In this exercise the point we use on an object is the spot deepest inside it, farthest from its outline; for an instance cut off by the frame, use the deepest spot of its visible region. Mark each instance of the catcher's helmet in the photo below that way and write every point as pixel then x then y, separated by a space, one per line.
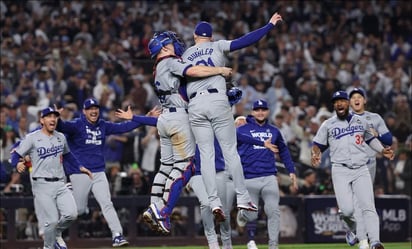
pixel 161 39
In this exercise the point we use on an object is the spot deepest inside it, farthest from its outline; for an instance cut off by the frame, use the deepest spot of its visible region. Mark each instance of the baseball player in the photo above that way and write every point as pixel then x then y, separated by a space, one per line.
pixel 47 149
pixel 177 145
pixel 86 137
pixel 225 190
pixel 346 135
pixel 260 170
pixel 210 114
pixel 379 130
pixel 27 163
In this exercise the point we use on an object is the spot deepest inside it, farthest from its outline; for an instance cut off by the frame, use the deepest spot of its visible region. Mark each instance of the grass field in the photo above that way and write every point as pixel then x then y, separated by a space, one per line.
pixel 403 245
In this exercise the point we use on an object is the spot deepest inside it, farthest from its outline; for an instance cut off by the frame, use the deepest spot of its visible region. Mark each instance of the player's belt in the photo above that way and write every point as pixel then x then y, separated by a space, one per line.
pixel 349 166
pixel 211 90
pixel 174 109
pixel 47 179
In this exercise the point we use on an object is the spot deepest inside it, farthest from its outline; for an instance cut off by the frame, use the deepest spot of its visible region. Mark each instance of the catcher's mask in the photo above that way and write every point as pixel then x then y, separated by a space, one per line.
pixel 161 39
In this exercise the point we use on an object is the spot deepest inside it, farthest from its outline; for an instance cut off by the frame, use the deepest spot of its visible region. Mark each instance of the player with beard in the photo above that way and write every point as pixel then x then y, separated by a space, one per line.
pixel 260 171
pixel 348 137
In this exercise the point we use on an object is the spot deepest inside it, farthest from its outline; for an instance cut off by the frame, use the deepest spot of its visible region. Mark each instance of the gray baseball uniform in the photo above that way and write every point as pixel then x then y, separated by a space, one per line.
pixel 177 144
pixel 376 122
pixel 51 196
pixel 226 192
pixel 210 115
pixel 350 176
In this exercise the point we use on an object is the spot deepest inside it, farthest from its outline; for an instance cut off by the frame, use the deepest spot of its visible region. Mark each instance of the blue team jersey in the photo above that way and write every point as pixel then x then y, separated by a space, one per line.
pixel 257 161
pixel 86 140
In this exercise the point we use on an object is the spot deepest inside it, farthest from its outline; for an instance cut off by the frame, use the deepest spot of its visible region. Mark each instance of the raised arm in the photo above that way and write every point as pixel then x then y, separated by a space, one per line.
pixel 140 120
pixel 254 36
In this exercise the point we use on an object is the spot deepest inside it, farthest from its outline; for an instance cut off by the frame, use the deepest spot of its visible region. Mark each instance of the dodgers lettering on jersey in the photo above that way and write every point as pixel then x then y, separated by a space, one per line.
pixel 345 139
pixel 93 136
pixel 46 153
pixel 54 150
pixel 350 130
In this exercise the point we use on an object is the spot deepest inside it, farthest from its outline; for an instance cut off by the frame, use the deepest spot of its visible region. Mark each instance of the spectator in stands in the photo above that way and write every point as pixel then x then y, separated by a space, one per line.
pixel 403 171
pixel 300 47
pixel 309 186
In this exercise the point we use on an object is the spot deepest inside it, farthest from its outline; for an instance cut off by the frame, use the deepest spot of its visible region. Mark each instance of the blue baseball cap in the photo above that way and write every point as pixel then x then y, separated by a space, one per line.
pixel 260 104
pixel 357 90
pixel 204 29
pixel 340 95
pixel 48 111
pixel 90 102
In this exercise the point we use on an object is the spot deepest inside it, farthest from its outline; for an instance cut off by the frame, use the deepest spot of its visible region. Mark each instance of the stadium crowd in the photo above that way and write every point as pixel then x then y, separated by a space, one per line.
pixel 63 52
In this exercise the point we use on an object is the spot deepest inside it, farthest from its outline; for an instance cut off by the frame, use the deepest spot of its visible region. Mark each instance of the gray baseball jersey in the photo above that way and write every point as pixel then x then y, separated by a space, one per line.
pixel 346 140
pixel 376 122
pixel 350 176
pixel 207 54
pixel 210 115
pixel 174 119
pixel 177 143
pixel 46 153
pixel 53 202
pixel 168 74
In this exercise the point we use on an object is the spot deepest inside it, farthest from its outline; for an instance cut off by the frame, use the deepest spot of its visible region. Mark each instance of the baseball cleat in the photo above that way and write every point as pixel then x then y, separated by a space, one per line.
pixel 240 219
pixel 250 206
pixel 251 245
pixel 60 244
pixel 363 244
pixel 377 245
pixel 150 220
pixel 351 238
pixel 163 222
pixel 119 241
pixel 218 214
pixel 164 225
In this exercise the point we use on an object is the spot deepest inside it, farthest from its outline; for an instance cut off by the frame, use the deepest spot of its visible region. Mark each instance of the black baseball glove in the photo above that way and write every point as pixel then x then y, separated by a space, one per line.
pixel 234 95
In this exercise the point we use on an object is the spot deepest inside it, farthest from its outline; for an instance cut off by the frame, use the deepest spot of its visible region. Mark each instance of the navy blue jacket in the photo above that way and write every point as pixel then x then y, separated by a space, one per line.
pixel 87 141
pixel 257 161
pixel 219 160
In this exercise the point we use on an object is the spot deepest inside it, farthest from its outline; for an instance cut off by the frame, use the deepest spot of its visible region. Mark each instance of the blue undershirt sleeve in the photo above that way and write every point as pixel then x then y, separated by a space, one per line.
pixel 15 158
pixel 250 38
pixel 284 153
pixel 321 146
pixel 71 159
pixel 145 120
pixel 386 138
